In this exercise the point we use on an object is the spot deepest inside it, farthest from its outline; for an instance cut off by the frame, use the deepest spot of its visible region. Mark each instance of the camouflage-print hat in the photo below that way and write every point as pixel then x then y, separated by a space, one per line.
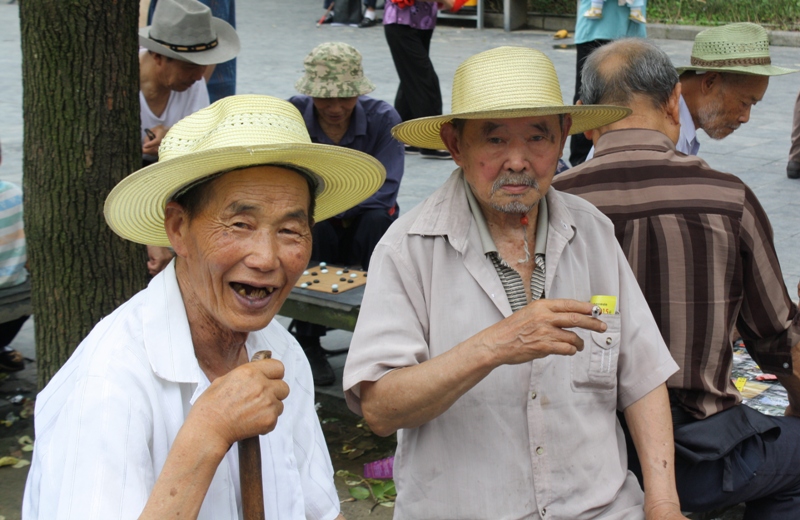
pixel 333 70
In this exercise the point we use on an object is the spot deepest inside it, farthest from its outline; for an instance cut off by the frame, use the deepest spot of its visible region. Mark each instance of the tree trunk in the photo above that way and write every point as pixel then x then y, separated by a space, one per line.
pixel 80 77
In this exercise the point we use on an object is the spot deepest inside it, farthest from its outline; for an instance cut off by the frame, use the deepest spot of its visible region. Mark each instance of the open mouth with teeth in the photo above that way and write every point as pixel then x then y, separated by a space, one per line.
pixel 251 292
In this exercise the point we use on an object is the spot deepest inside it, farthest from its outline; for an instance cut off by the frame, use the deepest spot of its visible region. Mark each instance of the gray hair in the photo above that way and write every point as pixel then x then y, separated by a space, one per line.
pixel 615 72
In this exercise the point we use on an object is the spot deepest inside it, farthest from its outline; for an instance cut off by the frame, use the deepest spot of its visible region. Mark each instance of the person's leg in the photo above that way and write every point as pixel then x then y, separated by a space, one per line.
pixel 369 14
pixel 793 168
pixel 10 359
pixel 579 146
pixel 366 232
pixel 394 39
pixel 763 474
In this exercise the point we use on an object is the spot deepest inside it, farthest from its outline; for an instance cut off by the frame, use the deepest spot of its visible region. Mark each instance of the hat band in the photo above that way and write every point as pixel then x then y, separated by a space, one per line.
pixel 188 48
pixel 736 62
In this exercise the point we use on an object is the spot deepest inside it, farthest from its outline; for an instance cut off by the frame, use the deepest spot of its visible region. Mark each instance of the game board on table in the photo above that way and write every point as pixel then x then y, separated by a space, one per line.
pixel 331 279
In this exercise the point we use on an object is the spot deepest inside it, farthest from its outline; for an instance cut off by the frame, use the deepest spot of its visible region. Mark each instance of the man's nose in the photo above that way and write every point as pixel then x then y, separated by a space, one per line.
pixel 517 159
pixel 200 72
pixel 745 117
pixel 263 254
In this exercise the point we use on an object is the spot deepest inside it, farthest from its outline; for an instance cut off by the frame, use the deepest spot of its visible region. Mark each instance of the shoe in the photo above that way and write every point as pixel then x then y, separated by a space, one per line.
pixel 321 369
pixel 793 170
pixel 435 154
pixel 411 150
pixel 328 18
pixel 367 22
pixel 594 13
pixel 636 16
pixel 11 360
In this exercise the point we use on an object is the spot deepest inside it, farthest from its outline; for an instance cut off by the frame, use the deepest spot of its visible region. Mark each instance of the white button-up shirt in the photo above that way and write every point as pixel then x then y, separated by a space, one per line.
pixel 105 423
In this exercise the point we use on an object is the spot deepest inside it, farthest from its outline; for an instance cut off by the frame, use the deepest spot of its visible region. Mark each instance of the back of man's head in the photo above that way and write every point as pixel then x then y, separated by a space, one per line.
pixel 615 73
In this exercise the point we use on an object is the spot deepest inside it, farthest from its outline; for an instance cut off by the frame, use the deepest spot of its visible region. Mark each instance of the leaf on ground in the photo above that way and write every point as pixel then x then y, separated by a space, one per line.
pixel 8 461
pixel 21 464
pixel 355 454
pixel 25 440
pixel 27 447
pixel 387 504
pixel 359 492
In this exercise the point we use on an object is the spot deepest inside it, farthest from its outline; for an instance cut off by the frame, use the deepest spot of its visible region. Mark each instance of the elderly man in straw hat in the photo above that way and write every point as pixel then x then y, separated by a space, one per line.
pixel 337 111
pixel 182 42
pixel 141 420
pixel 711 232
pixel 476 339
pixel 728 73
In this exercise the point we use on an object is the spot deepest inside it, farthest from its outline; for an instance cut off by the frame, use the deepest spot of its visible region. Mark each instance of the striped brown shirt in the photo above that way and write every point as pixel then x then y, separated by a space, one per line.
pixel 701 248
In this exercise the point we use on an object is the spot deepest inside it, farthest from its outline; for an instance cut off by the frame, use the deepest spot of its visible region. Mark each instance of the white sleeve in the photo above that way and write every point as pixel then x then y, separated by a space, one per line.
pixel 311 451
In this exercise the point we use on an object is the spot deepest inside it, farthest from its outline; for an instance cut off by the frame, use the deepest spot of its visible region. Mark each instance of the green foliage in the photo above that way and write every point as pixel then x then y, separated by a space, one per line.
pixel 382 492
pixel 778 14
pixel 782 14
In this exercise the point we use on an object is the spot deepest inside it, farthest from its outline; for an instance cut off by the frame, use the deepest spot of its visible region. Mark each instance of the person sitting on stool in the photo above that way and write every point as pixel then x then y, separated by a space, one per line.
pixel 337 111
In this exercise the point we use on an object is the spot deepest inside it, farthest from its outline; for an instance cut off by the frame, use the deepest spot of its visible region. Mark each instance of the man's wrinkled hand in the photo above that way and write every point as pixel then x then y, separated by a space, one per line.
pixel 245 402
pixel 150 146
pixel 158 258
pixel 538 330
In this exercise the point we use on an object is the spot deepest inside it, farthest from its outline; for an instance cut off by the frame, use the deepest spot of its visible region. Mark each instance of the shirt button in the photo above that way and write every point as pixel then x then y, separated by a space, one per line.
pixel 544 511
pixel 608 341
pixel 786 365
pixel 539 450
pixel 533 395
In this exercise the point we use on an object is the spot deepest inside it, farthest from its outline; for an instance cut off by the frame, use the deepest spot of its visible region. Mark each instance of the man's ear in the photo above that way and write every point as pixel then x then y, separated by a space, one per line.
pixel 176 224
pixel 673 107
pixel 451 140
pixel 709 81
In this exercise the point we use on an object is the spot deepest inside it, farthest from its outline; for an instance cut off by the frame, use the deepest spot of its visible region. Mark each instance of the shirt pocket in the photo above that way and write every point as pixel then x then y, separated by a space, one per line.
pixel 595 368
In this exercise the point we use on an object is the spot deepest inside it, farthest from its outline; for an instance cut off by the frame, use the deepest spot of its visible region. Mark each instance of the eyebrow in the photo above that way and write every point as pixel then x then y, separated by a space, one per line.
pixel 489 127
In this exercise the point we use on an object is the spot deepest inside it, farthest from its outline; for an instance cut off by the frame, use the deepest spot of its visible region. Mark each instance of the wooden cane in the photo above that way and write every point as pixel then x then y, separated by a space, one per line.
pixel 250 468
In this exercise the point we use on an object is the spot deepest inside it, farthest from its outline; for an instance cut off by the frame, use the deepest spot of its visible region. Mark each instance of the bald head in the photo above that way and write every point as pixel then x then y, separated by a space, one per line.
pixel 617 73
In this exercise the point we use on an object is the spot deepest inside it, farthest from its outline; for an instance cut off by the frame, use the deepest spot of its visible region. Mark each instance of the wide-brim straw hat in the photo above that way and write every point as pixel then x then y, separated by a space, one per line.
pixel 506 82
pixel 237 132
pixel 186 31
pixel 741 48
pixel 333 70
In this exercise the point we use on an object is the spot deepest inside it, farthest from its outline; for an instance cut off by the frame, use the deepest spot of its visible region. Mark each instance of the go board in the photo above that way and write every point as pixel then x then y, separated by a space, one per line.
pixel 331 279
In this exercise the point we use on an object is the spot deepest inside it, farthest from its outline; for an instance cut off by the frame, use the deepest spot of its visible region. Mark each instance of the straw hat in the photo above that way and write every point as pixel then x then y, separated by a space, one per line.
pixel 741 48
pixel 506 82
pixel 186 31
pixel 333 70
pixel 237 132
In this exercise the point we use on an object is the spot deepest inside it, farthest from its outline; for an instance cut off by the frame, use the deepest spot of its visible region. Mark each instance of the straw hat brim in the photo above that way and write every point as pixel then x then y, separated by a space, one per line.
pixel 424 132
pixel 754 70
pixel 135 207
pixel 226 50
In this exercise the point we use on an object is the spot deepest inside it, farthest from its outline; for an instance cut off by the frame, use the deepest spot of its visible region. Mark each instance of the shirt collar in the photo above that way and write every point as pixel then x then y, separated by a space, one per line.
pixel 688 130
pixel 357 127
pixel 167 338
pixel 628 139
pixel 483 228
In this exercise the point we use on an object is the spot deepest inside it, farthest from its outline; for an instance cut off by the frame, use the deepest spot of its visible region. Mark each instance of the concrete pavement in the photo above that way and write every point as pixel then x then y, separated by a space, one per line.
pixel 276 36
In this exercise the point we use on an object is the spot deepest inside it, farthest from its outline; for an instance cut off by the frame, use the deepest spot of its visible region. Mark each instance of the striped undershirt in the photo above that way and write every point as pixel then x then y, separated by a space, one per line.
pixel 510 278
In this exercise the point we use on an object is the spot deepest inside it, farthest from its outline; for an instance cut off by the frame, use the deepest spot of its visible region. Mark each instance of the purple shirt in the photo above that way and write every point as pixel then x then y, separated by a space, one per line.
pixel 421 15
pixel 370 131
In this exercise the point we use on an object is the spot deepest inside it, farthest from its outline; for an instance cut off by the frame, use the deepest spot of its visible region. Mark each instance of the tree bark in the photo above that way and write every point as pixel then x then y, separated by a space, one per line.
pixel 80 77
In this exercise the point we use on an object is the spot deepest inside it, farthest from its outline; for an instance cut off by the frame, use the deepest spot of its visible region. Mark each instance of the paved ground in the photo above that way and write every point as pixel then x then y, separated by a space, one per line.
pixel 277 35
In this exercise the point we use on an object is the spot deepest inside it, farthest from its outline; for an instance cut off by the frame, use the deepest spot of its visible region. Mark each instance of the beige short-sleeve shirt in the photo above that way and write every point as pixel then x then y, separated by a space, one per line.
pixel 536 440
